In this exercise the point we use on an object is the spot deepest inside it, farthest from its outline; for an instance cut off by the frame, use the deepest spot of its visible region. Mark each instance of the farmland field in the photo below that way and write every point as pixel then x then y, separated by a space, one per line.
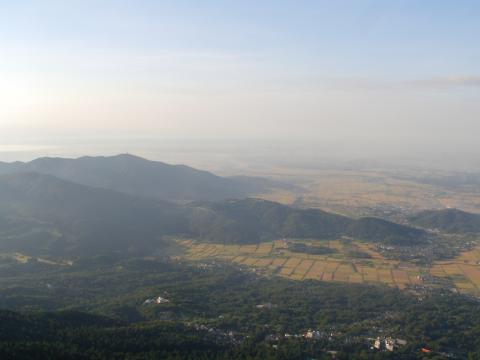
pixel 366 192
pixel 274 258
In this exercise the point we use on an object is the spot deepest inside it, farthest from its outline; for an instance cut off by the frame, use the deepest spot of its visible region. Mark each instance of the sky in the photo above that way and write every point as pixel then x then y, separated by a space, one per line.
pixel 378 75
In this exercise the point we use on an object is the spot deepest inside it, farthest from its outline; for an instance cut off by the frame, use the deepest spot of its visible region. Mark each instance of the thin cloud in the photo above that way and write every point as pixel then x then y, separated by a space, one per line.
pixel 369 84
pixel 448 82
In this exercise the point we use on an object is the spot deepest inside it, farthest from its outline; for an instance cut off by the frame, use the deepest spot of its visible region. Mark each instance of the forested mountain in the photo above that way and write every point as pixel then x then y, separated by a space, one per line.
pixel 386 232
pixel 254 220
pixel 136 176
pixel 448 220
pixel 43 214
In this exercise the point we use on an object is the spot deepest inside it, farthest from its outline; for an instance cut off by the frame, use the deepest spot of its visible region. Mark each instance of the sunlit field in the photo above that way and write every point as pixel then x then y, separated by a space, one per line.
pixel 357 192
pixel 274 258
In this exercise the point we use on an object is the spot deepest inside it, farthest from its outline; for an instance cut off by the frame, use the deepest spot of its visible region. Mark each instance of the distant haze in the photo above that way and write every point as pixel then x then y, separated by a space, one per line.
pixel 283 80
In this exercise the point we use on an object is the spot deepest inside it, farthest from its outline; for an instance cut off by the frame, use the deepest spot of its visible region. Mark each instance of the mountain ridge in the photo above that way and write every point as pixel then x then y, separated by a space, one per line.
pixel 137 176
pixel 42 213
pixel 447 220
pixel 256 220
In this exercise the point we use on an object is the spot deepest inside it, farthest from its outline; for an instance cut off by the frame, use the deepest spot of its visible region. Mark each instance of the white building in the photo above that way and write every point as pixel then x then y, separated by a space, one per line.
pixel 389 344
pixel 161 300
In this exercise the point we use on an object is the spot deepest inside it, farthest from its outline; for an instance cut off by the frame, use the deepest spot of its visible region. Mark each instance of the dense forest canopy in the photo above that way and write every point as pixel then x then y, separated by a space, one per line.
pixel 95 310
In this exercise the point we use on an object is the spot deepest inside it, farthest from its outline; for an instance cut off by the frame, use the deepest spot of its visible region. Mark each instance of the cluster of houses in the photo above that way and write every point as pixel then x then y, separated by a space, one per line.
pixel 388 343
pixel 380 343
pixel 314 334
pixel 308 335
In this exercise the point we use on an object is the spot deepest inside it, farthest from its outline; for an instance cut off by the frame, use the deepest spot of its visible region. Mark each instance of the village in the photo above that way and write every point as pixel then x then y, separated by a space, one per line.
pixel 381 342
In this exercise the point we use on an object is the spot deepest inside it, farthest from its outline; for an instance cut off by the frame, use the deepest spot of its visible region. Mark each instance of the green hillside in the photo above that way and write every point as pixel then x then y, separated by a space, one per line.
pixel 254 220
pixel 448 220
pixel 41 214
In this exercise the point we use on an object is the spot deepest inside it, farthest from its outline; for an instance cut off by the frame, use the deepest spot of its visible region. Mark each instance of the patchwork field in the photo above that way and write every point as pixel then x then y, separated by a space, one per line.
pixel 464 271
pixel 357 192
pixel 275 258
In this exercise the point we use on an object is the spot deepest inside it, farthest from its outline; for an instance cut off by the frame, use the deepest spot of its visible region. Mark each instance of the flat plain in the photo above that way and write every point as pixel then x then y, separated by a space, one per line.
pixel 367 191
pixel 274 258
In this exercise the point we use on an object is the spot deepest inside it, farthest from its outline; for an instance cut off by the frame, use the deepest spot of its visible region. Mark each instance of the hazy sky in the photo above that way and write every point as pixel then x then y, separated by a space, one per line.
pixel 387 72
